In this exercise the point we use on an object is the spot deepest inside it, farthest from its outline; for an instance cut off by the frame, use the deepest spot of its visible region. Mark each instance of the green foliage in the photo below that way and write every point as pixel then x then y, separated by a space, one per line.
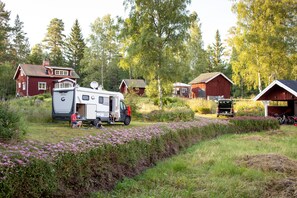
pixel 101 58
pixel 54 42
pixel 7 84
pixel 20 43
pixel 151 90
pixel 248 108
pixel 156 48
pixel 75 46
pixel 11 126
pixel 202 106
pixel 36 55
pixel 175 114
pixel 132 100
pixel 196 55
pixel 264 42
pixel 33 109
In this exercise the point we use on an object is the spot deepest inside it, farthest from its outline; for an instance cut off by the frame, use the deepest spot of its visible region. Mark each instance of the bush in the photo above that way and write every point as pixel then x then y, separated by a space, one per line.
pixel 11 126
pixel 176 114
pixel 170 102
pixel 202 106
pixel 248 108
pixel 36 109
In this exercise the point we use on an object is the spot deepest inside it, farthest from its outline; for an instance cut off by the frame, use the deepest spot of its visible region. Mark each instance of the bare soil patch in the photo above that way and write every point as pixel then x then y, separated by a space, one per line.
pixel 286 187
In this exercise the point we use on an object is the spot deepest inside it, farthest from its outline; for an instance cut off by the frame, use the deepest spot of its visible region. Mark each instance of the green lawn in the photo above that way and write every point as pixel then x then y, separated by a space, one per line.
pixel 61 131
pixel 217 168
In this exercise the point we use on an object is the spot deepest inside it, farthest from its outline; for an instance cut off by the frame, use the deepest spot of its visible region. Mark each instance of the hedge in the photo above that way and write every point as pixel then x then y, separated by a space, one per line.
pixel 76 168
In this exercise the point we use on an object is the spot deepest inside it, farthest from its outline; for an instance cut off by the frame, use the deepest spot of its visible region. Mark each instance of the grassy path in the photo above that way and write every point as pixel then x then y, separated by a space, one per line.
pixel 247 165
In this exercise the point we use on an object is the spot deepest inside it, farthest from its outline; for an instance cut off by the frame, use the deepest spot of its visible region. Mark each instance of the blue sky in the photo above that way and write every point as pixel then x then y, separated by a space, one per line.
pixel 36 15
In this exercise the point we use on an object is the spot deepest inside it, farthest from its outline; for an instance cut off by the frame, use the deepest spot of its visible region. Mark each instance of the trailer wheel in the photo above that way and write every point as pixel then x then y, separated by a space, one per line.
pixel 97 123
pixel 127 120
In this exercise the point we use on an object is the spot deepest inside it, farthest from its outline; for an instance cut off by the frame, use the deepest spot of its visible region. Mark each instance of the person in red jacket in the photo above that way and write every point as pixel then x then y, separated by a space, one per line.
pixel 74 122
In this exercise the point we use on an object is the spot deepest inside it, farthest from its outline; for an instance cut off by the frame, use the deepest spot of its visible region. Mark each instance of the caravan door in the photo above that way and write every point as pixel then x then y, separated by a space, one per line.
pixel 91 111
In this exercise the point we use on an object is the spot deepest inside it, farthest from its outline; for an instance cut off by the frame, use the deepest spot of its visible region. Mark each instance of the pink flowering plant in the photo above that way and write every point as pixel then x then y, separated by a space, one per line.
pixel 93 162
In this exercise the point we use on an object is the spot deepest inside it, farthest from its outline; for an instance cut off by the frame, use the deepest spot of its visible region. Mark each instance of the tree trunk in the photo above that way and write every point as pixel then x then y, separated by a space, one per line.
pixel 160 93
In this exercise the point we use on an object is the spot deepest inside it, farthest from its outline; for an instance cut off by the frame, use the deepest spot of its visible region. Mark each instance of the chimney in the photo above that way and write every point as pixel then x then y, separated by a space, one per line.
pixel 46 63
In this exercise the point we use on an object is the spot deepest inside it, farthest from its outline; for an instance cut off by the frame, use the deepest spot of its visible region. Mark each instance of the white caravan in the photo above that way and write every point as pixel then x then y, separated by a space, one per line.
pixel 95 105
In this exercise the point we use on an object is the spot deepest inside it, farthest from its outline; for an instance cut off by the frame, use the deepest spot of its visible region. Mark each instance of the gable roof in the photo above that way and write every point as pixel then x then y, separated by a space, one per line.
pixel 138 83
pixel 206 77
pixel 288 85
pixel 40 70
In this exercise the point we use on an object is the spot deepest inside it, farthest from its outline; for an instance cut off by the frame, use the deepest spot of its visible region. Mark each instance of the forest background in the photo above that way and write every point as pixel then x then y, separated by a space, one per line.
pixel 161 42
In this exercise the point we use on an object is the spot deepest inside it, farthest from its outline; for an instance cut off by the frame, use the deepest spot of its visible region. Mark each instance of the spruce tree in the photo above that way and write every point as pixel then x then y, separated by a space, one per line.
pixel 20 43
pixel 54 42
pixel 4 33
pixel 75 46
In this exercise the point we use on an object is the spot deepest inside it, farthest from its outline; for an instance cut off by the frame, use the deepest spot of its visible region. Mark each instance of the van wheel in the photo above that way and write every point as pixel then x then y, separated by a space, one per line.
pixel 127 120
pixel 97 123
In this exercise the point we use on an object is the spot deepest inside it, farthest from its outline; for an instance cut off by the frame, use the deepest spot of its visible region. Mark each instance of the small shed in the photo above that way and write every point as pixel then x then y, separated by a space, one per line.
pixel 279 97
pixel 133 85
pixel 211 86
pixel 181 89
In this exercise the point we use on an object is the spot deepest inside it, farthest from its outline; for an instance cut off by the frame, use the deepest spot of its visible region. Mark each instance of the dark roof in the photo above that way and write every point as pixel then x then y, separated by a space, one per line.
pixel 206 77
pixel 134 83
pixel 288 85
pixel 40 70
pixel 292 84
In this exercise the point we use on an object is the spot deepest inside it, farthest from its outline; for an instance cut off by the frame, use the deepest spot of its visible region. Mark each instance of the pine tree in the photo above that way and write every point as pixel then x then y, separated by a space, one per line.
pixel 54 42
pixel 20 43
pixel 4 33
pixel 75 46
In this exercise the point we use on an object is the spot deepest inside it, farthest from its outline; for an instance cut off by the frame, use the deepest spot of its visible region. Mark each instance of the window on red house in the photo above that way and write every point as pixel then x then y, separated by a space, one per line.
pixel 41 85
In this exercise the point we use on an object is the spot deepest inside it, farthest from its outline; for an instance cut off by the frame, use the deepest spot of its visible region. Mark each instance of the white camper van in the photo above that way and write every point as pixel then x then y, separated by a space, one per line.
pixel 94 105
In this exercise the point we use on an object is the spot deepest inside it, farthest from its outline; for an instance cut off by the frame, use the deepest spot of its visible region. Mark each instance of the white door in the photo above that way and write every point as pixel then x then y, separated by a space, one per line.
pixel 91 111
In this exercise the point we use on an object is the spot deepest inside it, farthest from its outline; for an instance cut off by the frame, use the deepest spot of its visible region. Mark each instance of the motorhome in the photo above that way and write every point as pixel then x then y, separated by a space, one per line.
pixel 92 104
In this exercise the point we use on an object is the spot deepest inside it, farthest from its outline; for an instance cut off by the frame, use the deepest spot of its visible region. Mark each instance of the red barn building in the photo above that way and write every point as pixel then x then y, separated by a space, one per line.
pixel 211 86
pixel 38 79
pixel 135 85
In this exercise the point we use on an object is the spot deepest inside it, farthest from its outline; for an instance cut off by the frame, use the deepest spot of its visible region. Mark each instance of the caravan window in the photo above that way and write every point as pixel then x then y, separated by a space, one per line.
pixel 85 97
pixel 101 100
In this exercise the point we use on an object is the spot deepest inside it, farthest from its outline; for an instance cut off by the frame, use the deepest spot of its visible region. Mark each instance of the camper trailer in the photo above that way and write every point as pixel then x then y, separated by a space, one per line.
pixel 92 104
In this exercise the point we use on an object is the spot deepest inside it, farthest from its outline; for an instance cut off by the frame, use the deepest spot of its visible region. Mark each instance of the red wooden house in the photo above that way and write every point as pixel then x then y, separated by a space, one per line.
pixel 211 86
pixel 38 79
pixel 135 85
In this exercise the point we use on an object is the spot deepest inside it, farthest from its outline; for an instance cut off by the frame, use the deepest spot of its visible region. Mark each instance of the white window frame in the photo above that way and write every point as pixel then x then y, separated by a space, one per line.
pixel 20 85
pixel 24 85
pixel 41 85
pixel 61 72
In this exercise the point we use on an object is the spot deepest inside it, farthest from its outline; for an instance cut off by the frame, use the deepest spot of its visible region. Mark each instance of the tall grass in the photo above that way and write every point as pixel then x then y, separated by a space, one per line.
pixel 33 109
pixel 210 169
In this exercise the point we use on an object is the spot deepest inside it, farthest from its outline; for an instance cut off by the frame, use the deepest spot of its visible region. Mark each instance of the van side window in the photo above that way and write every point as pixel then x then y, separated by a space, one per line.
pixel 101 100
pixel 123 106
pixel 85 97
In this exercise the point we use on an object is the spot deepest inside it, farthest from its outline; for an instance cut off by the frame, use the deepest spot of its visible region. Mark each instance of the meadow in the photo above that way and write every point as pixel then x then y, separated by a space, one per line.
pixel 261 164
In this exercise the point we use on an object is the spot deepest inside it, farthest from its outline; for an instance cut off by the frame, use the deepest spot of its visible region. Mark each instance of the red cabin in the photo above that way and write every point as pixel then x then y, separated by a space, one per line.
pixel 133 85
pixel 38 79
pixel 211 86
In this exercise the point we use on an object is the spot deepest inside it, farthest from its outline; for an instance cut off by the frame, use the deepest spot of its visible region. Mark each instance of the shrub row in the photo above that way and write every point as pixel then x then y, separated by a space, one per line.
pixel 75 174
pixel 176 114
